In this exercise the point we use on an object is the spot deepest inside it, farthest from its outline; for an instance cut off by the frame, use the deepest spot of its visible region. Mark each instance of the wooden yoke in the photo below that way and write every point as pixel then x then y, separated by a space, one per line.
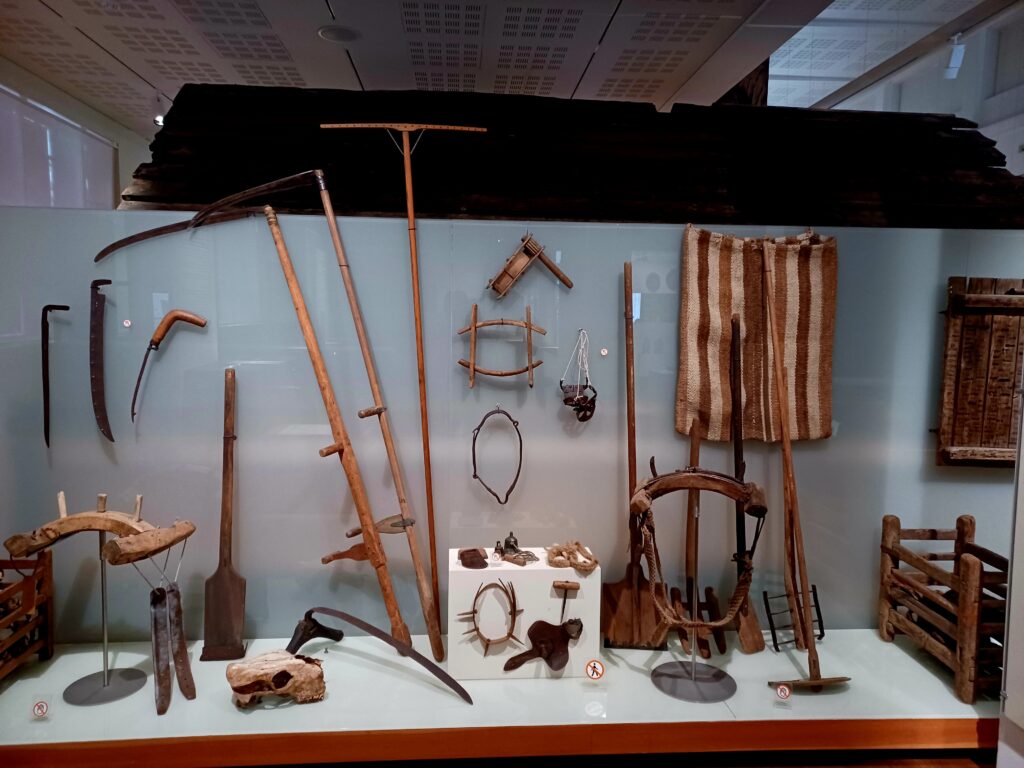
pixel 749 494
pixel 136 540
pixel 370 548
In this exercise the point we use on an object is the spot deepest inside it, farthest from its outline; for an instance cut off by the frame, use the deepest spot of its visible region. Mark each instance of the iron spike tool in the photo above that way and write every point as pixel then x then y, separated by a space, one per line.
pixel 97 309
pixel 45 337
pixel 158 336
pixel 309 628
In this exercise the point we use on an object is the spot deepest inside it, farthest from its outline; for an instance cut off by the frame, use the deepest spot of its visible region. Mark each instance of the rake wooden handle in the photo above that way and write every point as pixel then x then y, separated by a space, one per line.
pixel 227 489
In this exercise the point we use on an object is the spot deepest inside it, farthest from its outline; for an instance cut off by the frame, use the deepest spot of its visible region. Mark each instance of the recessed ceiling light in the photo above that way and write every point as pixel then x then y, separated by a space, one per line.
pixel 335 33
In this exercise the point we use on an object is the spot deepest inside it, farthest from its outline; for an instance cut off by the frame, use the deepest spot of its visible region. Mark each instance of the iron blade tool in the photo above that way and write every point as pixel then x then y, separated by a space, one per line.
pixel 158 336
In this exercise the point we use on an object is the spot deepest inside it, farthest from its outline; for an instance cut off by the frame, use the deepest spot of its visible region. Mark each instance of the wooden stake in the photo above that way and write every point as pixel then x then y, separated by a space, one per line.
pixel 472 347
pixel 428 603
pixel 529 346
pixel 371 539
pixel 790 570
pixel 414 267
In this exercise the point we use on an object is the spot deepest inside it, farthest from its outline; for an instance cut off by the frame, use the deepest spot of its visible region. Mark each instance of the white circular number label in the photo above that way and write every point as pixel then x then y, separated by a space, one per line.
pixel 40 708
pixel 783 692
pixel 595 669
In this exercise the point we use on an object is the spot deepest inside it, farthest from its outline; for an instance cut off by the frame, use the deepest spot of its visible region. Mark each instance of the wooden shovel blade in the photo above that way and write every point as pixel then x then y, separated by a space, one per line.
pixel 224 617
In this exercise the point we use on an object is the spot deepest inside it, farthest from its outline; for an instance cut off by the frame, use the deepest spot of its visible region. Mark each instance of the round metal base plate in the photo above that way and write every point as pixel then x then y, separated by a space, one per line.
pixel 90 689
pixel 699 683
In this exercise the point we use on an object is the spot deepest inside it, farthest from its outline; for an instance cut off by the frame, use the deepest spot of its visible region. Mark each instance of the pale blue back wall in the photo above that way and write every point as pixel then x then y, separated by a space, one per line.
pixel 293 507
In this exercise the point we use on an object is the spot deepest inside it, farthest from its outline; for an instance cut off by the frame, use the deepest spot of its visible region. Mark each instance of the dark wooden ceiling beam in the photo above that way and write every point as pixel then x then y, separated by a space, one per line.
pixel 554 159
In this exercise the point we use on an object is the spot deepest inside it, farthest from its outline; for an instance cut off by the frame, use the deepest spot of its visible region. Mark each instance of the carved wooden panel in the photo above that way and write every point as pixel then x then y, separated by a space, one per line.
pixel 979 413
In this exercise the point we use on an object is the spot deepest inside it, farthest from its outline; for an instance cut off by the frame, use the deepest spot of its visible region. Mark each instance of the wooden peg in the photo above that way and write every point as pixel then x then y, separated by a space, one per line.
pixel 62 504
pixel 330 450
pixel 101 502
pixel 138 507
pixel 367 412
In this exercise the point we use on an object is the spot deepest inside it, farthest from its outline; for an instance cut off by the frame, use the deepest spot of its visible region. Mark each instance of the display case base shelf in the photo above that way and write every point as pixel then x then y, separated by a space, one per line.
pixel 517 741
pixel 382 707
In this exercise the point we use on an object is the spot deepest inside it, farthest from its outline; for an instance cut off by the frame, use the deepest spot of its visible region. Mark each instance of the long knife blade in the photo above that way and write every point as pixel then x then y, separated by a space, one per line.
pixel 403 648
pixel 149 234
pixel 45 337
pixel 138 381
pixel 182 667
pixel 97 309
pixel 161 649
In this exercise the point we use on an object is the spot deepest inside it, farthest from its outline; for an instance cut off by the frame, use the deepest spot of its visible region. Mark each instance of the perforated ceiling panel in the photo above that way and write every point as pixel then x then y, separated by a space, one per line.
pixel 117 55
pixel 652 47
pixel 538 48
pixel 847 39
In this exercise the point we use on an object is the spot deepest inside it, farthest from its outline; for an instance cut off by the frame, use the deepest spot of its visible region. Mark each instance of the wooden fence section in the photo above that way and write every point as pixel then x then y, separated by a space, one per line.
pixel 958 614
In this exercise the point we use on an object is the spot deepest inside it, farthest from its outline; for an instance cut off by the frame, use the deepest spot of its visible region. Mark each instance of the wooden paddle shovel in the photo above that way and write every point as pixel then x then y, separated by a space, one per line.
pixel 225 590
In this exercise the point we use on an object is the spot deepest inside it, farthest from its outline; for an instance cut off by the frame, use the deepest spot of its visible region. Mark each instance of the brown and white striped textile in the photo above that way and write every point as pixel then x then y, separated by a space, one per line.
pixel 722 275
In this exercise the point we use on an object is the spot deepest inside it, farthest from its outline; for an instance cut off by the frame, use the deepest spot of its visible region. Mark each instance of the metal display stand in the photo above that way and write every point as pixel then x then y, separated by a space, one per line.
pixel 108 684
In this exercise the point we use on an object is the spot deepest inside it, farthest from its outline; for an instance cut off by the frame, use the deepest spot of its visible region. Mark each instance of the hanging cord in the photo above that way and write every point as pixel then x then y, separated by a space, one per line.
pixel 581 355
pixel 666 612
pixel 575 396
pixel 163 571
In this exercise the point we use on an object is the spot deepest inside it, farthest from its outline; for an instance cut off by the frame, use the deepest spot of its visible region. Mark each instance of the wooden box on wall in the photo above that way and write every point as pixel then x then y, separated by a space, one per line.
pixel 979 412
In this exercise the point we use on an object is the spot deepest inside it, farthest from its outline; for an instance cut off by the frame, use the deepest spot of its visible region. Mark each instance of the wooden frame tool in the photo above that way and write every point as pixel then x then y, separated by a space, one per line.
pixel 473 328
pixel 414 270
pixel 520 261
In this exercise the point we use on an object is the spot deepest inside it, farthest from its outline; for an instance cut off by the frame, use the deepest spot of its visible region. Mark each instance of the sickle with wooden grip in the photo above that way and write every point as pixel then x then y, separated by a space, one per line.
pixel 158 336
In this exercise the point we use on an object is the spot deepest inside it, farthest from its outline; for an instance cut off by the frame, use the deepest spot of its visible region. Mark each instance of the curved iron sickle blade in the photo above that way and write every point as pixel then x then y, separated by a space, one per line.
pixel 403 648
pixel 149 234
pixel 138 381
pixel 214 213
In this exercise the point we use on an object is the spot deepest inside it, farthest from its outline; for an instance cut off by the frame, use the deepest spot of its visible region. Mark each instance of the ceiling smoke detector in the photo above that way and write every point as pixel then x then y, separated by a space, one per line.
pixel 336 33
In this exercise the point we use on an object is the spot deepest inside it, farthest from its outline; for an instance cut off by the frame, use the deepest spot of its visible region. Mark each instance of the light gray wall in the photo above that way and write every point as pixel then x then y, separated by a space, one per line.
pixel 132 149
pixel 292 507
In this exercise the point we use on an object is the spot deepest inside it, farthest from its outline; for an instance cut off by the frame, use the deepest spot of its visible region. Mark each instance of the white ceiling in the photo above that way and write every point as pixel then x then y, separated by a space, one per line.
pixel 117 55
pixel 849 38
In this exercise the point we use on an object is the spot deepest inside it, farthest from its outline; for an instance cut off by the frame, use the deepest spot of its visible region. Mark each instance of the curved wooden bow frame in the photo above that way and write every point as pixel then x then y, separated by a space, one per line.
pixel 696 479
pixel 475 325
pixel 519 466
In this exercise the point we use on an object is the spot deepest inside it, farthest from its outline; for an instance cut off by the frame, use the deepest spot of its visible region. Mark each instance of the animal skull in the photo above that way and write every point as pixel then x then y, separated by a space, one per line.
pixel 277 673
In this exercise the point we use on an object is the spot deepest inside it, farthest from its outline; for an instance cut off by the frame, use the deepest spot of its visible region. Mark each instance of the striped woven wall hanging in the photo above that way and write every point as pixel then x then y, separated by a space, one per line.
pixel 722 275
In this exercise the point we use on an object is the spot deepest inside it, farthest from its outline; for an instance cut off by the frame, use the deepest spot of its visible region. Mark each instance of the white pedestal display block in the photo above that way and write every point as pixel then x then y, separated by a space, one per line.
pixel 537 599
